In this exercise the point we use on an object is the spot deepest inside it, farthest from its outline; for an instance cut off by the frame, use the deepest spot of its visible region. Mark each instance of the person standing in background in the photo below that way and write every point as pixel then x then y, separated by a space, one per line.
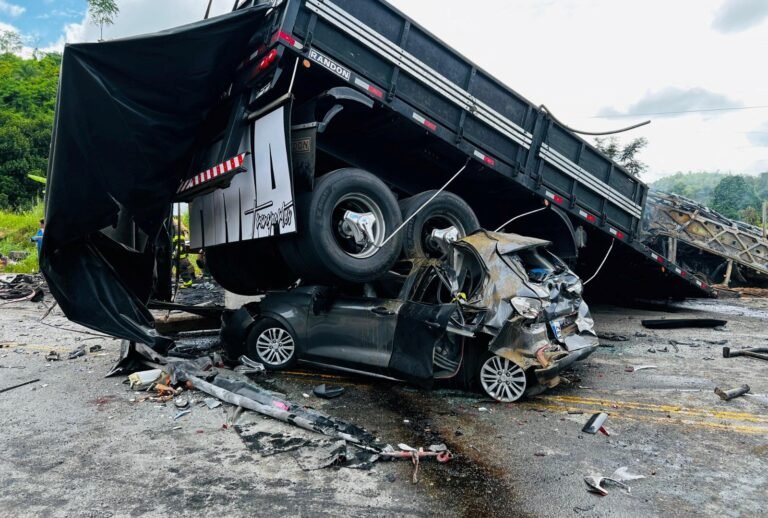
pixel 39 237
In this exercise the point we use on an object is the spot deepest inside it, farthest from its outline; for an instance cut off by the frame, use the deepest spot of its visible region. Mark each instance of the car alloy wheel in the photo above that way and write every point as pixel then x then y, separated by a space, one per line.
pixel 275 346
pixel 502 379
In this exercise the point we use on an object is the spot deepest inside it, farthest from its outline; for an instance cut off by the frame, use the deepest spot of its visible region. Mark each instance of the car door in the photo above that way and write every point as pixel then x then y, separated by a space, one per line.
pixel 353 332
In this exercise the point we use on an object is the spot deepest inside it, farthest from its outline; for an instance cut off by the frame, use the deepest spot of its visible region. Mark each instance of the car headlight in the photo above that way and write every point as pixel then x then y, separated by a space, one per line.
pixel 527 307
pixel 577 288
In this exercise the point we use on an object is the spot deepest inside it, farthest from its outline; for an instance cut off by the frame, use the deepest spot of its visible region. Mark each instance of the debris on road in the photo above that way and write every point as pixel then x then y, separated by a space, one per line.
pixel 20 288
pixel 327 392
pixel 248 366
pixel 53 356
pixel 727 395
pixel 6 389
pixel 144 379
pixel 683 323
pixel 181 414
pixel 595 483
pixel 77 353
pixel 595 424
pixel 212 403
pixel 613 337
pixel 636 368
pixel 760 353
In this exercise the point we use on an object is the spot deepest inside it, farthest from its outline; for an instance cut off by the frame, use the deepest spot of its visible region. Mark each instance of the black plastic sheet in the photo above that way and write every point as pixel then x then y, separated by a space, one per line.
pixel 127 117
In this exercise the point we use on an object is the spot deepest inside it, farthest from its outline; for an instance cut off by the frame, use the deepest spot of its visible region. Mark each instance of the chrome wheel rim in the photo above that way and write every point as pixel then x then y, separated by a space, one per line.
pixel 502 379
pixel 439 222
pixel 358 204
pixel 275 346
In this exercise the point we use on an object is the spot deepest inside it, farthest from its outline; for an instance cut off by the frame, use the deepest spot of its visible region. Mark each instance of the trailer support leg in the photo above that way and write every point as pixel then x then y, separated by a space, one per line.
pixel 728 272
pixel 672 254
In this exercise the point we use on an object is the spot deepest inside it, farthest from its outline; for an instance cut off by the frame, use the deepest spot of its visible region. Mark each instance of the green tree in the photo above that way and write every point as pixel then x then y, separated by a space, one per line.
pixel 624 154
pixel 27 99
pixel 733 195
pixel 10 42
pixel 101 13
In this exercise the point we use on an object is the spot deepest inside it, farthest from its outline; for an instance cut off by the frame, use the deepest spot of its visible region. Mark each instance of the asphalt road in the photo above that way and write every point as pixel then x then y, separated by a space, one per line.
pixel 74 444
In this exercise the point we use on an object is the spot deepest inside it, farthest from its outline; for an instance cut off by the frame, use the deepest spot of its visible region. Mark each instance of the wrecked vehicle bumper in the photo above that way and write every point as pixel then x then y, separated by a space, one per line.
pixel 547 374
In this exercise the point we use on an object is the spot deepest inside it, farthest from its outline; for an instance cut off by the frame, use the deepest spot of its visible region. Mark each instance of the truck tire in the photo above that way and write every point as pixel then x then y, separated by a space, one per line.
pixel 326 249
pixel 249 267
pixel 446 210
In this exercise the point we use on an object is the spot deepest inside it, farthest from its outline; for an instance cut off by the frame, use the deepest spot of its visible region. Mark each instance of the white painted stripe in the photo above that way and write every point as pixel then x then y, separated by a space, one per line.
pixel 415 67
pixel 572 170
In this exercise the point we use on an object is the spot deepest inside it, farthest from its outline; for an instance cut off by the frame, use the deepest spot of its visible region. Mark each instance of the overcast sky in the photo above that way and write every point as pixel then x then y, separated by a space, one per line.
pixel 596 64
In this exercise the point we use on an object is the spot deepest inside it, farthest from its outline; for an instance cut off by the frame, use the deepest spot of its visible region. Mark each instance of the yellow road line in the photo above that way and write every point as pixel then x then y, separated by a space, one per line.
pixel 673 421
pixel 666 409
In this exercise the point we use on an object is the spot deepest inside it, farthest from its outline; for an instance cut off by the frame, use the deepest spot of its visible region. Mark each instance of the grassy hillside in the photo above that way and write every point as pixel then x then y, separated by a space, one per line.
pixel 16 229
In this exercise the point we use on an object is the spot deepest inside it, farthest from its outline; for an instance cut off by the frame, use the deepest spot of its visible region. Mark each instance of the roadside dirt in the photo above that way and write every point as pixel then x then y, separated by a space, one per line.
pixel 75 445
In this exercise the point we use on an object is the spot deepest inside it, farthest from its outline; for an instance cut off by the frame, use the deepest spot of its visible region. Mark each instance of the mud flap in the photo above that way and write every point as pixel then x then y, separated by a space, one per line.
pixel 420 327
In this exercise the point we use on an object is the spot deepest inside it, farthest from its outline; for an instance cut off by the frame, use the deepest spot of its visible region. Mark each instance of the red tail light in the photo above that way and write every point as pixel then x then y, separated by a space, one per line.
pixel 267 60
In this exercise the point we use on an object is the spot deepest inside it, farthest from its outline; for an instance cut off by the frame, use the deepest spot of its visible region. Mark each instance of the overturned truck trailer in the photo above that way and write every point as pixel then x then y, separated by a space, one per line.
pixel 304 133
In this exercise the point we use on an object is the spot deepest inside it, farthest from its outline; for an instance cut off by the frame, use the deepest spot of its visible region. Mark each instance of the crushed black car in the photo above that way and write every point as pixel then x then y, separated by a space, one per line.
pixel 500 313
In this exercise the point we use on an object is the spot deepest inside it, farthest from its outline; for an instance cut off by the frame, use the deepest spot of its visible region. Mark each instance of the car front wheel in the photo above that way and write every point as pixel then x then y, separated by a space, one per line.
pixel 271 344
pixel 502 379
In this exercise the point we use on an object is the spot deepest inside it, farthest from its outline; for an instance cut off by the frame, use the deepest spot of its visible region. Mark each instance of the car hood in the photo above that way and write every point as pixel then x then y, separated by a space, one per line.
pixel 510 299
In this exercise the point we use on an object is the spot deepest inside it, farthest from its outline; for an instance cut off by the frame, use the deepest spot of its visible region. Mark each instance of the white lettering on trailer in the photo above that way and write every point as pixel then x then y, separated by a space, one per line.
pixel 330 64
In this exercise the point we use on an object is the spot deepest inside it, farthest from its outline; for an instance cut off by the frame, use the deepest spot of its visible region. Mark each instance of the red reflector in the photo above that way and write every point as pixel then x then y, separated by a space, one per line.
pixel 558 199
pixel 290 40
pixel 620 234
pixel 660 259
pixel 683 274
pixel 375 91
pixel 490 161
pixel 267 60
pixel 704 286
pixel 431 125
pixel 591 218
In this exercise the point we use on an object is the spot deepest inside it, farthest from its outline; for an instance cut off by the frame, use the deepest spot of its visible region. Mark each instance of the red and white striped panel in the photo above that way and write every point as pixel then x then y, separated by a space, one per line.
pixel 213 172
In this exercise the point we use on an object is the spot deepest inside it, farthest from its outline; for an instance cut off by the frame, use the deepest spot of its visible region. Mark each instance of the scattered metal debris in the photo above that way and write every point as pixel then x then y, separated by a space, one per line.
pixel 53 356
pixel 595 483
pixel 248 366
pixel 181 414
pixel 80 351
pixel 6 389
pixel 327 392
pixel 95 348
pixel 635 368
pixel 760 353
pixel 682 323
pixel 181 402
pixel 727 395
pixel 212 403
pixel 595 424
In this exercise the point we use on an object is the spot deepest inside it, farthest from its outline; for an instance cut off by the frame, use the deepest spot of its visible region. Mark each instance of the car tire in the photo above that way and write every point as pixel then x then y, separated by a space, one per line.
pixel 249 267
pixel 324 250
pixel 500 378
pixel 272 345
pixel 444 211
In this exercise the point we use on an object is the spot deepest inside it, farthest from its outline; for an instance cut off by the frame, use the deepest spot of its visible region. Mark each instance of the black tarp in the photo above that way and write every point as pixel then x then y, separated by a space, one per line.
pixel 128 112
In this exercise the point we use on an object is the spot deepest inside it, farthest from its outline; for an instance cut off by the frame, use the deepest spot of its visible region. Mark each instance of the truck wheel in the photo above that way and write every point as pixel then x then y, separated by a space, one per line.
pixel 248 267
pixel 445 213
pixel 342 225
pixel 272 345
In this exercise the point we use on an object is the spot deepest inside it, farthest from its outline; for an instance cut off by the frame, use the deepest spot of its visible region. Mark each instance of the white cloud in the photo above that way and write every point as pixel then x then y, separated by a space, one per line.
pixel 11 9
pixel 577 57
pixel 740 15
